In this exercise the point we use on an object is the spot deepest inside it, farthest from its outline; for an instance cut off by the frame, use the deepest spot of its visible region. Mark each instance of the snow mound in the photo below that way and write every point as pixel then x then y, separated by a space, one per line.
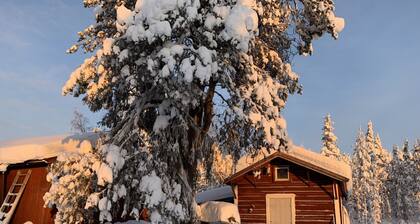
pixel 133 222
pixel 214 194
pixel 214 211
pixel 19 151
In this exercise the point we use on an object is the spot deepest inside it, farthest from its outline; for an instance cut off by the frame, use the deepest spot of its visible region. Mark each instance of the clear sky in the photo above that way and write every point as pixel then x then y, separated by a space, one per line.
pixel 370 73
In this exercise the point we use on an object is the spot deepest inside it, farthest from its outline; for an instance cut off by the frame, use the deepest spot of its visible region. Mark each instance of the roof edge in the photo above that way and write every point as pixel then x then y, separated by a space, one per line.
pixel 289 158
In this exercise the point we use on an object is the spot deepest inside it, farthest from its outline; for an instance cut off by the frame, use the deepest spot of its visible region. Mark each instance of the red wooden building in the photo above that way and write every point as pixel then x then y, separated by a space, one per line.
pixel 30 206
pixel 32 155
pixel 297 186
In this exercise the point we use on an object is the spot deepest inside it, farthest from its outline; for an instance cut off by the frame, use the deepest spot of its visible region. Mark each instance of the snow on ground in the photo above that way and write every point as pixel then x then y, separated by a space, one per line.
pixel 18 151
pixel 215 211
pixel 214 194
pixel 133 222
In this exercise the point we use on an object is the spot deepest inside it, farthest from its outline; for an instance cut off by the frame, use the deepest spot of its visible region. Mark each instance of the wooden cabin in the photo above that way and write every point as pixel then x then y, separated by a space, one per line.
pixel 32 155
pixel 31 205
pixel 294 187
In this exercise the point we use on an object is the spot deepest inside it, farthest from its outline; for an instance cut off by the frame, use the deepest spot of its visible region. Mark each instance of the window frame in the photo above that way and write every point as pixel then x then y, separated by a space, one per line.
pixel 276 168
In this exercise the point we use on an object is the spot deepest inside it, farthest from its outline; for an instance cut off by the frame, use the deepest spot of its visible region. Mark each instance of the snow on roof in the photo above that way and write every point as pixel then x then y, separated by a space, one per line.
pixel 216 211
pixel 328 163
pixel 315 159
pixel 19 151
pixel 214 194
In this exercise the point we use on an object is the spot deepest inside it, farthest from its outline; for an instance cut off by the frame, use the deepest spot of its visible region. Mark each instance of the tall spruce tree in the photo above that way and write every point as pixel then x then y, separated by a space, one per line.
pixel 176 77
pixel 416 178
pixel 370 164
pixel 396 184
pixel 382 161
pixel 375 183
pixel 329 142
pixel 402 184
pixel 361 175
pixel 409 202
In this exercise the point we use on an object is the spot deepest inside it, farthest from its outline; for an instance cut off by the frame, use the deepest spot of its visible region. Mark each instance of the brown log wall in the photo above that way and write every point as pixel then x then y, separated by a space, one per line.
pixel 31 204
pixel 313 194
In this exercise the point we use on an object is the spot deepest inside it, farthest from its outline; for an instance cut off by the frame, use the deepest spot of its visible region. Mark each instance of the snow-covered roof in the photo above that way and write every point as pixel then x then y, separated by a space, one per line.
pixel 19 151
pixel 216 212
pixel 214 194
pixel 301 156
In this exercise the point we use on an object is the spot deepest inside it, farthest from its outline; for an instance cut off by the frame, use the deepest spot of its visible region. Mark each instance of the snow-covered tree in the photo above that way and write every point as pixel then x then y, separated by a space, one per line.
pixel 402 186
pixel 361 175
pixel 71 184
pixel 329 142
pixel 416 179
pixel 409 201
pixel 382 159
pixel 189 74
pixel 219 170
pixel 397 183
pixel 370 177
pixel 376 170
pixel 79 123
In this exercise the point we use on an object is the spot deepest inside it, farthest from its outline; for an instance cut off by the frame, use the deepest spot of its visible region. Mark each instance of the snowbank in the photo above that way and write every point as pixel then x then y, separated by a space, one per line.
pixel 215 211
pixel 133 222
pixel 19 151
pixel 214 194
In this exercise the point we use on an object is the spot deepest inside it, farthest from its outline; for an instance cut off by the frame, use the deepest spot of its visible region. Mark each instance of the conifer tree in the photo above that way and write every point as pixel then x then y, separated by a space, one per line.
pixel 329 141
pixel 361 175
pixel 382 161
pixel 416 178
pixel 375 183
pixel 371 179
pixel 158 68
pixel 396 184
pixel 409 202
pixel 217 172
pixel 404 185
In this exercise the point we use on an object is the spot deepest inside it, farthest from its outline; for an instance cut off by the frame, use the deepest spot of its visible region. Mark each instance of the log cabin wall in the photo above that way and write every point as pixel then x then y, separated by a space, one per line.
pixel 314 199
pixel 31 204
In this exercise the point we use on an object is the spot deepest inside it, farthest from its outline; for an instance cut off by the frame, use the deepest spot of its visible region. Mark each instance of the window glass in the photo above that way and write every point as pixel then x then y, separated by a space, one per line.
pixel 282 173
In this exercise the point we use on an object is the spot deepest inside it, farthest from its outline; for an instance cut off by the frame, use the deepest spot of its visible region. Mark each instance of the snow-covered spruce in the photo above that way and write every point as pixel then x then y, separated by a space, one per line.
pixel 190 74
pixel 361 164
pixel 220 168
pixel 385 188
pixel 329 142
pixel 403 185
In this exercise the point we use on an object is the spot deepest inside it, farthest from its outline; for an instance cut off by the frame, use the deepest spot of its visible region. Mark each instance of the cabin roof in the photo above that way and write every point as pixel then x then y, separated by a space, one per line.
pixel 20 151
pixel 330 167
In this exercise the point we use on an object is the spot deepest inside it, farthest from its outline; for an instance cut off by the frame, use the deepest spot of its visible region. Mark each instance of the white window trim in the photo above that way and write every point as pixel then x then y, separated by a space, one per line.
pixel 267 205
pixel 275 173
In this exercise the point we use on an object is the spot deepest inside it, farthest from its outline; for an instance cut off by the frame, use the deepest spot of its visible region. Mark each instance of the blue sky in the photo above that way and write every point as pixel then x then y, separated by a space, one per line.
pixel 370 73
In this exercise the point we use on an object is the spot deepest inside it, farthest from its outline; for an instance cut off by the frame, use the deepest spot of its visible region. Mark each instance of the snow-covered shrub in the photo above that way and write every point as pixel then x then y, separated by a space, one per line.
pixel 72 180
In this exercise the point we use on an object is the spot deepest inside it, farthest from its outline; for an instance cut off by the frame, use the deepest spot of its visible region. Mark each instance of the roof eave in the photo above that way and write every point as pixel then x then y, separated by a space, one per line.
pixel 289 158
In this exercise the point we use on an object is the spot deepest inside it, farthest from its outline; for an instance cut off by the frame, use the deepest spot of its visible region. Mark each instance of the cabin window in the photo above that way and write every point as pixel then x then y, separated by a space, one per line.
pixel 281 173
